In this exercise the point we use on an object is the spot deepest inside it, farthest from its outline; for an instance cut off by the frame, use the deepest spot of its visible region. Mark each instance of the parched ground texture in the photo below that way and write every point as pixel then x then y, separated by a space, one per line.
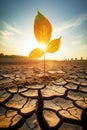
pixel 64 89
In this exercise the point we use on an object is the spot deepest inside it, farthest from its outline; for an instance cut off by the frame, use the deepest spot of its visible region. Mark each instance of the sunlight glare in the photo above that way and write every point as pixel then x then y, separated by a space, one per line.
pixel 42 46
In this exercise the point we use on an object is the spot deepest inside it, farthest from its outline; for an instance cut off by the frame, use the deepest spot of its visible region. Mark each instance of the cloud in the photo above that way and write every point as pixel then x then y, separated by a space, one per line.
pixel 73 22
pixel 11 28
pixel 14 39
pixel 8 31
pixel 79 39
pixel 8 36
pixel 77 42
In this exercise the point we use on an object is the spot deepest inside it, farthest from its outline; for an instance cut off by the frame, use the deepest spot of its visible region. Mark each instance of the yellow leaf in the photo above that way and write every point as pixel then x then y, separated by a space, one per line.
pixel 42 28
pixel 36 53
pixel 53 46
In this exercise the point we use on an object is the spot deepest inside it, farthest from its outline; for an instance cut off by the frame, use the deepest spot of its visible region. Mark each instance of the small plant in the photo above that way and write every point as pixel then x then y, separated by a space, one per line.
pixel 43 31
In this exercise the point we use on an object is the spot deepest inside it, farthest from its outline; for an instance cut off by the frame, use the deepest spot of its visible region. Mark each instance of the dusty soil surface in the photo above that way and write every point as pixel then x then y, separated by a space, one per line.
pixel 64 90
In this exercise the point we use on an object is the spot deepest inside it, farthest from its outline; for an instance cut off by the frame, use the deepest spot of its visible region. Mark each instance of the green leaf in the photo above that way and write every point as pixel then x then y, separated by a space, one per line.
pixel 53 46
pixel 42 29
pixel 36 53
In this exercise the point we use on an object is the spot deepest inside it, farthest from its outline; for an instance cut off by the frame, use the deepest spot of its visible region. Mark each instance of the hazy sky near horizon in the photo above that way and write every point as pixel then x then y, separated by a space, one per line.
pixel 67 17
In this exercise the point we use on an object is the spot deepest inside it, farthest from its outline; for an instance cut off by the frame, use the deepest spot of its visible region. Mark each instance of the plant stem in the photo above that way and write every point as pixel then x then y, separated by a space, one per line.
pixel 44 64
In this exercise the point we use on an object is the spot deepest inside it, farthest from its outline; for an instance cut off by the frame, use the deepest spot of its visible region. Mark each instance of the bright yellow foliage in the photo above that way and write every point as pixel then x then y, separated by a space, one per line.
pixel 36 53
pixel 43 31
pixel 53 45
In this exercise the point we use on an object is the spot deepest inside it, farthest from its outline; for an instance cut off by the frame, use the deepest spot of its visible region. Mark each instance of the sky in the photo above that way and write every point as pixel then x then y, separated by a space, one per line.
pixel 67 17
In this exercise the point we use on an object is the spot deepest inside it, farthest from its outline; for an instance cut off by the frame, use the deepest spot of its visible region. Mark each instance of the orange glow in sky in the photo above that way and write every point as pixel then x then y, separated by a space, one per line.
pixel 17 27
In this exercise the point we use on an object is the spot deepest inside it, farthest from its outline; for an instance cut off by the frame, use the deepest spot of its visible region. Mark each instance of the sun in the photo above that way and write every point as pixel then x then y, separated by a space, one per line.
pixel 42 46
